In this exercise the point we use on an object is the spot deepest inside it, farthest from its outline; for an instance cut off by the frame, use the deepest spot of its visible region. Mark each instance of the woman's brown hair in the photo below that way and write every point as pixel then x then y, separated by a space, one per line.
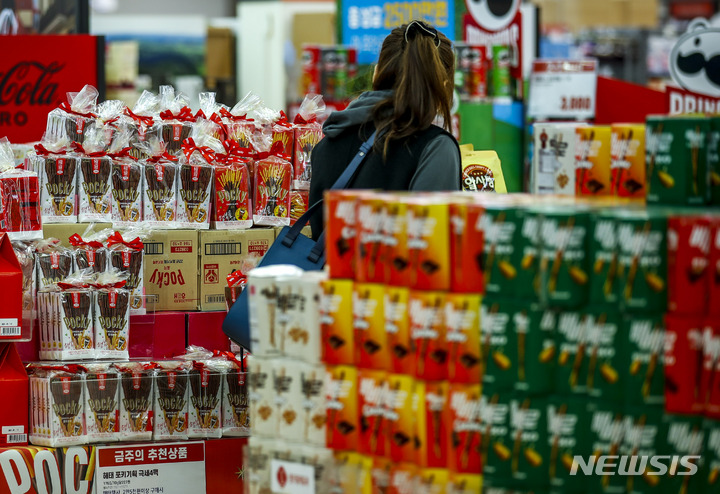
pixel 417 62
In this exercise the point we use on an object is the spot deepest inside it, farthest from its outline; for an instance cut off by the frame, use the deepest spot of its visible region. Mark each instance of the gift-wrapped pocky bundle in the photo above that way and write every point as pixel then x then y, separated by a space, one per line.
pixel 53 263
pixel 239 127
pixel 141 123
pixel 235 400
pixel 127 178
pixel 126 256
pixel 196 172
pixel 136 401
pixel 283 133
pixel 160 178
pixel 111 119
pixel 74 117
pixel 273 177
pixel 171 404
pixel 308 133
pixel 206 378
pixel 25 253
pixel 299 200
pixel 111 310
pixel 102 404
pixel 232 198
pixel 210 110
pixel 20 214
pixel 94 177
pixel 57 406
pixel 57 172
pixel 175 120
pixel 90 253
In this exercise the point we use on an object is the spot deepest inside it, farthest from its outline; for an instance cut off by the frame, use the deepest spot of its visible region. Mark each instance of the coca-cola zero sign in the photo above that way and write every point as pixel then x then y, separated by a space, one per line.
pixel 36 72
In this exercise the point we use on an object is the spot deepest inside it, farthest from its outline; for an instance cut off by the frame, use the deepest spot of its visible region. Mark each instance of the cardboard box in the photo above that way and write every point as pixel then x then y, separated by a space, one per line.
pixel 11 302
pixel 63 232
pixel 219 55
pixel 171 269
pixel 223 252
pixel 205 329
pixel 158 335
pixel 14 386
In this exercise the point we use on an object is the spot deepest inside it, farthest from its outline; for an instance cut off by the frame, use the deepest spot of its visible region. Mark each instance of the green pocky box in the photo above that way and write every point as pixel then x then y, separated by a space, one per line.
pixel 685 438
pixel 643 337
pixel 603 258
pixel 528 281
pixel 677 160
pixel 607 433
pixel 714 159
pixel 498 342
pixel 496 449
pixel 571 371
pixel 604 352
pixel 535 343
pixel 642 244
pixel 564 273
pixel 568 436
pixel 711 455
pixel 501 259
pixel 528 440
pixel 644 438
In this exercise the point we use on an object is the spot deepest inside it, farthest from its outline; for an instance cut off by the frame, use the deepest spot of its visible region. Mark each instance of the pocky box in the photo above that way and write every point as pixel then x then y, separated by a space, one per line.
pixel 689 239
pixel 709 390
pixel 501 259
pixel 711 449
pixel 464 420
pixel 58 182
pixel 372 397
pixel 529 440
pixel 642 243
pixel 571 372
pixel 592 161
pixel 714 159
pixel 232 199
pixel 428 227
pixel 602 258
pixel 370 213
pixel 341 232
pixel 685 438
pixel 628 160
pixel 645 437
pixel 568 429
pixel 554 158
pixel 401 418
pixel 289 399
pixel 466 247
pixel 534 340
pixel 496 446
pixel 683 364
pixel 433 451
pixel 264 418
pixel 271 203
pixel 397 327
pixel 530 253
pixel 676 155
pixel 606 436
pixel 343 414
pixel 644 367
pixel 427 327
pixel 394 247
pixel 564 272
pixel 336 322
pixel 497 344
pixel 604 353
pixel 714 268
pixel 462 321
pixel 371 340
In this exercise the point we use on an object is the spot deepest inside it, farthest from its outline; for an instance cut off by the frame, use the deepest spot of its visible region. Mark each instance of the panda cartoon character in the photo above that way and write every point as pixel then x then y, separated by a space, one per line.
pixel 695 59
pixel 493 15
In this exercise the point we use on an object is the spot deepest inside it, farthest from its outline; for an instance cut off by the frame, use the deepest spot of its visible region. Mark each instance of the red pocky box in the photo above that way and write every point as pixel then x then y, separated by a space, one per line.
pixel 403 479
pixel 710 374
pixel 343 432
pixel 434 448
pixel 298 204
pixel 688 264
pixel 310 80
pixel 466 247
pixel 397 327
pixel 427 326
pixel 371 340
pixel 428 227
pixel 683 364
pixel 283 132
pixel 463 418
pixel 462 321
pixel 370 213
pixel 340 232
pixel 273 177
pixel 714 275
pixel 394 249
pixel 336 322
pixel 233 205
pixel 306 138
pixel 401 418
pixel 372 386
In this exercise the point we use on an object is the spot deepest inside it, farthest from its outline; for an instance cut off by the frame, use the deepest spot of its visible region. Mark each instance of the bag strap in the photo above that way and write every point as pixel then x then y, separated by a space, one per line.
pixel 341 183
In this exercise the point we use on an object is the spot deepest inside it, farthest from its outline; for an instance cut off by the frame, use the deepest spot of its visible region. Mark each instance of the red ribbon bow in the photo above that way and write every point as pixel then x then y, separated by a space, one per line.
pixel 277 149
pixel 184 115
pixel 189 147
pixel 162 157
pixel 117 239
pixel 228 356
pixel 70 368
pixel 299 120
pixel 147 121
pixel 77 241
pixel 78 148
pixel 64 285
pixel 67 109
pixel 109 286
pixel 283 120
pixel 43 151
pixel 235 279
pixel 123 153
pixel 236 118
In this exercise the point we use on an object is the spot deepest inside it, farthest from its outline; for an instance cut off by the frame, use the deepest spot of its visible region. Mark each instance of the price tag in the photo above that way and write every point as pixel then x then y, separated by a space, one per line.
pixel 563 89
pixel 291 478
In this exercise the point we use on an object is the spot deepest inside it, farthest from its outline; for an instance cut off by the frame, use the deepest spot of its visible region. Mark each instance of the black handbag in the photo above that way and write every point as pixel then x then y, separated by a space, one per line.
pixel 290 247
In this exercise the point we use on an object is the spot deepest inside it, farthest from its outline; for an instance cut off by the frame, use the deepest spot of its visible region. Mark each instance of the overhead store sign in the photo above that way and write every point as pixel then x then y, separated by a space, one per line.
pixel 563 89
pixel 36 72
pixel 366 23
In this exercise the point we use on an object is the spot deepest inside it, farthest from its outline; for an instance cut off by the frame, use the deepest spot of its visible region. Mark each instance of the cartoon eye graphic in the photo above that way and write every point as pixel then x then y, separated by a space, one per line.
pixel 695 59
pixel 493 15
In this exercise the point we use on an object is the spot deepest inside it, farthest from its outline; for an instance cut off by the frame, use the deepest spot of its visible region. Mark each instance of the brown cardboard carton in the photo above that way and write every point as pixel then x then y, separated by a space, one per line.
pixel 171 269
pixel 64 231
pixel 221 253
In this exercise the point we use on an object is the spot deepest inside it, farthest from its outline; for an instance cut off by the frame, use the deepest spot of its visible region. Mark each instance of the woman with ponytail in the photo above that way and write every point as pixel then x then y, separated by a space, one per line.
pixel 412 86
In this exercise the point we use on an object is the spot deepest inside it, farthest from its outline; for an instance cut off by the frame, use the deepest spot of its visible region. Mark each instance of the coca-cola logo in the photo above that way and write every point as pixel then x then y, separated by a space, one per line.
pixel 27 84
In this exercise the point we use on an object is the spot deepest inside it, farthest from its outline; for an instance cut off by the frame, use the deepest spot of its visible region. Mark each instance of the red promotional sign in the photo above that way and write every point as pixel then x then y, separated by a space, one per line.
pixel 36 72
pixel 681 101
pixel 151 454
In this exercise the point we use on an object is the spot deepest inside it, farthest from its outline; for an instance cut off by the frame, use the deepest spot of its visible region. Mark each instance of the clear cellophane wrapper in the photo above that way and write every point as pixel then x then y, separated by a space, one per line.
pixel 308 133
pixel 207 389
pixel 273 178
pixel 112 322
pixel 136 401
pixel 298 204
pixel 25 254
pixel 53 262
pixel 20 214
pixel 89 253
pixel 141 122
pixel 175 121
pixel 102 403
pixel 239 127
pixel 94 178
pixel 127 256
pixel 160 183
pixel 73 118
pixel 57 407
pixel 210 110
pixel 172 401
pixel 57 174
pixel 232 198
pixel 111 119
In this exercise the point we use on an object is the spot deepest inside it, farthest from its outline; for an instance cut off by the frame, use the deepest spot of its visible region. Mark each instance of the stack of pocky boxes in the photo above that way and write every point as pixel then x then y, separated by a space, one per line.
pixel 327 70
pixel 163 166
pixel 200 395
pixel 561 330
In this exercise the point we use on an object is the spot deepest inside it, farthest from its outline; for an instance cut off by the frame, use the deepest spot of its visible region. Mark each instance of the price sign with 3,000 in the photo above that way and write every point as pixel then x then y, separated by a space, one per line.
pixel 563 89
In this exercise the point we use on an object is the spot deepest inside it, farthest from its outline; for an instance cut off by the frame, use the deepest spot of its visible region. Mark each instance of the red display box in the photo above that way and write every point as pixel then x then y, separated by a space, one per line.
pixel 157 335
pixel 205 329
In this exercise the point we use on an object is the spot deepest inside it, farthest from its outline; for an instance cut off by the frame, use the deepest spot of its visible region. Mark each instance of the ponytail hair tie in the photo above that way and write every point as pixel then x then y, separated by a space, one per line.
pixel 423 29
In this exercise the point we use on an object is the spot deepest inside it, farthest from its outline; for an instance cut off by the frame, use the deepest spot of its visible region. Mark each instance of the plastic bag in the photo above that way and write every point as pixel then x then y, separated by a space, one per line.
pixel 233 188
pixel 176 119
pixel 94 177
pixel 74 117
pixel 160 176
pixel 273 177
pixel 239 126
pixel 308 132
pixel 20 213
pixel 57 175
